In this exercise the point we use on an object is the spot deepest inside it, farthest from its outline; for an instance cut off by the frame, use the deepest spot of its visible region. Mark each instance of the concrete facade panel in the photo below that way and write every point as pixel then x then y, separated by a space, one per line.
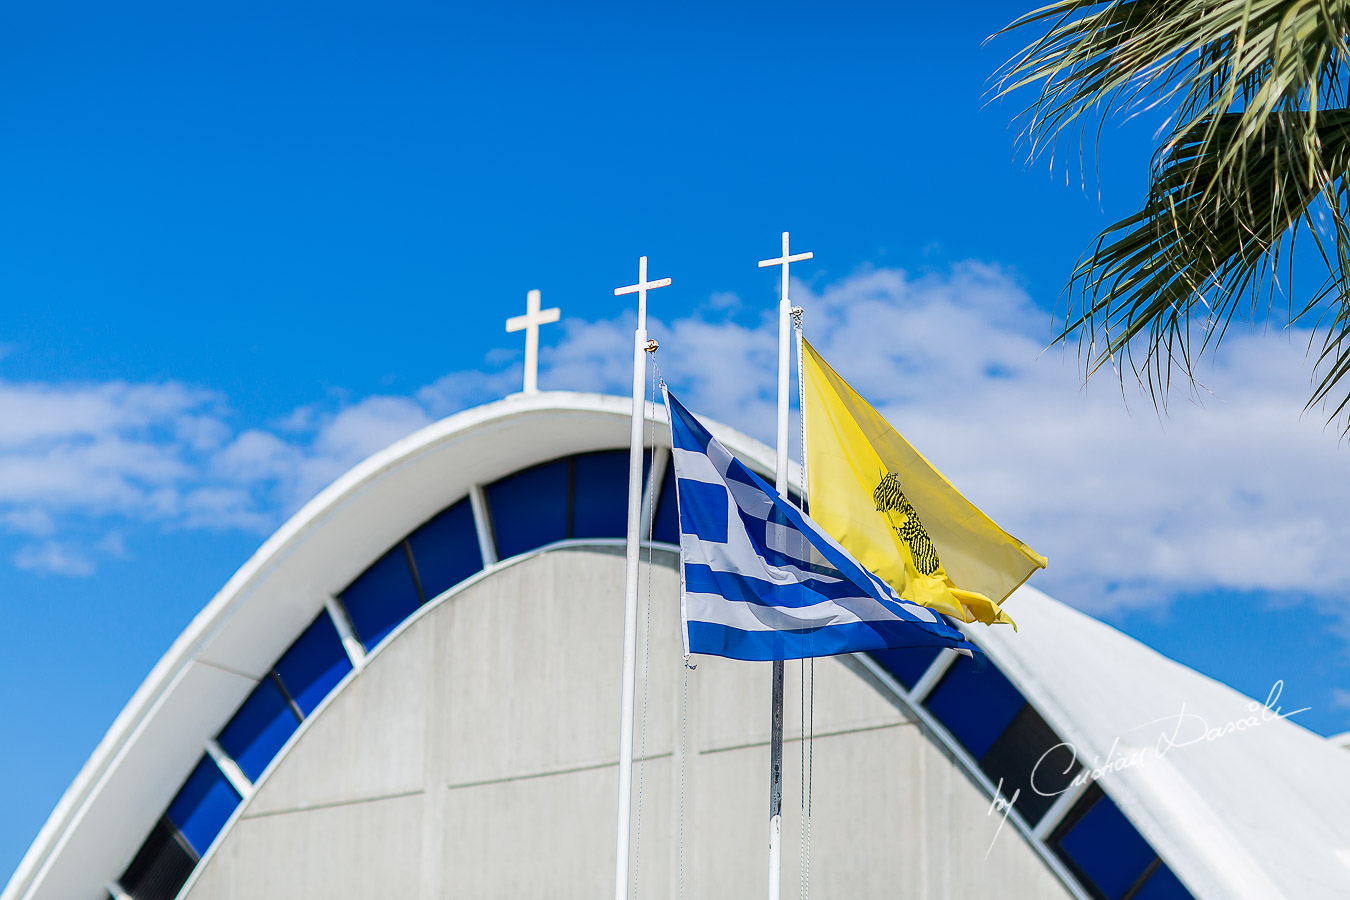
pixel 370 744
pixel 556 827
pixel 367 849
pixel 732 697
pixel 549 699
pixel 475 757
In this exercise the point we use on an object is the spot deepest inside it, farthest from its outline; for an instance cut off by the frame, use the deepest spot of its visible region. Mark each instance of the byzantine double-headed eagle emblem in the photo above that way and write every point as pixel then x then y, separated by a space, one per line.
pixel 904 520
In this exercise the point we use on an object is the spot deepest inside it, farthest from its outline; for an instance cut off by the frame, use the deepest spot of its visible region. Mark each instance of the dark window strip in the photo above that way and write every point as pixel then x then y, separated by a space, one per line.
pixel 162 866
pixel 571 495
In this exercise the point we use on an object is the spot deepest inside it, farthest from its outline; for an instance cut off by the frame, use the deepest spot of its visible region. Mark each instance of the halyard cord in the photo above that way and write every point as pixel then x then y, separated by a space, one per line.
pixel 810 773
pixel 684 695
pixel 801 829
pixel 684 728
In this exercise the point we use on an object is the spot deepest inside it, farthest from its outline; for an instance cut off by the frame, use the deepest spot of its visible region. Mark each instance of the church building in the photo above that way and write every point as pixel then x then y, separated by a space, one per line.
pixel 411 691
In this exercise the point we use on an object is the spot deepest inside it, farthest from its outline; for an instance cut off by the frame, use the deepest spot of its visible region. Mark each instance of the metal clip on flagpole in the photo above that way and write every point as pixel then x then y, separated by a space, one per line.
pixel 641 345
pixel 781 483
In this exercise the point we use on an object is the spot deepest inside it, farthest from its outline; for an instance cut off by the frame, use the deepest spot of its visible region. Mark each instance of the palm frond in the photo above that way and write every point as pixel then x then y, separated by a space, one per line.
pixel 1257 157
pixel 1207 242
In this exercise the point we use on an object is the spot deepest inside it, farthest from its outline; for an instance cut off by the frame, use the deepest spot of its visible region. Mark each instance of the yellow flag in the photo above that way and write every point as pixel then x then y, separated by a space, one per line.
pixel 877 495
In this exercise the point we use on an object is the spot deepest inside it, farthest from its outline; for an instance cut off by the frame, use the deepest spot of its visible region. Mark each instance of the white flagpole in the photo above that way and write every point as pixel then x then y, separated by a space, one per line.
pixel 640 347
pixel 781 483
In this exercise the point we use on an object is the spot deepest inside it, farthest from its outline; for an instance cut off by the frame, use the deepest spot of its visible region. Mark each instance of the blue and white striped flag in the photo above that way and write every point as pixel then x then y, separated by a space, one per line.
pixel 762 581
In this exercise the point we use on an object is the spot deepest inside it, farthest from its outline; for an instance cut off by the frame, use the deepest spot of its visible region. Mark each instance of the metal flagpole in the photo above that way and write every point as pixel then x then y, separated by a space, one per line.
pixel 781 483
pixel 640 346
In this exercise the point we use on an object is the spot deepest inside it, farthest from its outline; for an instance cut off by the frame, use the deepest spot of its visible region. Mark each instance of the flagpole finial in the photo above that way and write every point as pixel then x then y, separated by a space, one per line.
pixel 787 257
pixel 641 288
pixel 784 260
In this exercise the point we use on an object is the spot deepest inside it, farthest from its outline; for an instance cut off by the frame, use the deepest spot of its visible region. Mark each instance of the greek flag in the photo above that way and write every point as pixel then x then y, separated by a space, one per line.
pixel 762 581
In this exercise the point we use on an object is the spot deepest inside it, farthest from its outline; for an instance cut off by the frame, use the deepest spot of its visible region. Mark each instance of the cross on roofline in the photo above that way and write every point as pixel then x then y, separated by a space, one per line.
pixel 529 323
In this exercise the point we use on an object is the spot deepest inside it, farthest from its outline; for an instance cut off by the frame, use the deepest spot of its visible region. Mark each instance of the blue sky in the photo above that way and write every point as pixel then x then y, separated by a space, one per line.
pixel 244 245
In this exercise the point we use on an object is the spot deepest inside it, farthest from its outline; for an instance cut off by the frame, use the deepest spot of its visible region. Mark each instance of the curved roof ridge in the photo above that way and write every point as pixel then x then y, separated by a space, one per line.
pixel 488 423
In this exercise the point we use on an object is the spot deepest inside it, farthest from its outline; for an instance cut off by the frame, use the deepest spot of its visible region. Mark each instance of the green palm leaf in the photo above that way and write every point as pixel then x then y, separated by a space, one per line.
pixel 1257 159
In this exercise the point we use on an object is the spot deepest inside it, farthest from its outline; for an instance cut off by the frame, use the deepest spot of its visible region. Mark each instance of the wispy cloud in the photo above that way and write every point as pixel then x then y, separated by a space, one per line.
pixel 79 461
pixel 112 452
pixel 55 558
pixel 1236 491
pixel 1234 488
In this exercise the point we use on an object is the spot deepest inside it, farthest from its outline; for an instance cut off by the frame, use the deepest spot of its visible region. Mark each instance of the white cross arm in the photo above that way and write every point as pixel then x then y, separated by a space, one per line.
pixel 648 285
pixel 543 317
pixel 796 257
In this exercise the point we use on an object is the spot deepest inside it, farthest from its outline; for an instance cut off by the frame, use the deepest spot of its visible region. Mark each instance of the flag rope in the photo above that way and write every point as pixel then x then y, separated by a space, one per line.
pixel 684 729
pixel 801 823
pixel 659 380
pixel 810 776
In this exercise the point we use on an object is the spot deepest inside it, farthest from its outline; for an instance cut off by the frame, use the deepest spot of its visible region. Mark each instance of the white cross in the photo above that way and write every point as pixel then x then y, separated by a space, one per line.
pixel 783 261
pixel 784 342
pixel 530 322
pixel 641 289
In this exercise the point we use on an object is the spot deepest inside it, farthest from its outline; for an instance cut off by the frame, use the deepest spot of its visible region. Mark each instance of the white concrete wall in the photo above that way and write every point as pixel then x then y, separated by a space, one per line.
pixel 475 757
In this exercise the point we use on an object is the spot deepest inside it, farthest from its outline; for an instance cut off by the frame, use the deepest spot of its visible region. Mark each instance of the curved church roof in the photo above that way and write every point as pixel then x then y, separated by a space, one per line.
pixel 297 618
pixel 232 644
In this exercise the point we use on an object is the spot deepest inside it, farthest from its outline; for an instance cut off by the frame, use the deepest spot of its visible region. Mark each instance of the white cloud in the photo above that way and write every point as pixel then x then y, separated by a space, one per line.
pixel 460 390
pixel 724 369
pixel 267 474
pixel 33 521
pixel 1239 491
pixel 35 414
pixel 724 300
pixel 357 431
pixel 70 558
pixel 112 544
pixel 54 558
pixel 219 507
pixel 104 449
pixel 1243 493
